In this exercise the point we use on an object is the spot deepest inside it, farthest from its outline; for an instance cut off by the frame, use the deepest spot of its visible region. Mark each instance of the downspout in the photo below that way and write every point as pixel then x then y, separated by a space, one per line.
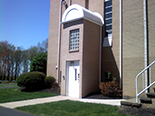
pixel 70 2
pixel 59 41
pixel 120 42
pixel 145 41
pixel 100 55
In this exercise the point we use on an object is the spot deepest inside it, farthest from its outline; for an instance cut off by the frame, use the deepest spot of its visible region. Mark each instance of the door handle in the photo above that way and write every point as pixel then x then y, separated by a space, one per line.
pixel 78 76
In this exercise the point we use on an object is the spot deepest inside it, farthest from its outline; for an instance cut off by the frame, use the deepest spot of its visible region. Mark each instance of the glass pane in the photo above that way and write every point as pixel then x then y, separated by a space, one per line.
pixel 108 15
pixel 108 9
pixel 74 39
pixel 108 27
pixel 108 3
pixel 75 74
pixel 108 21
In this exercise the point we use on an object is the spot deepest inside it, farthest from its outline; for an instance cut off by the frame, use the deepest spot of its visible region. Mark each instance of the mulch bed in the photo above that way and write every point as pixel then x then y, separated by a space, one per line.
pixel 51 90
pixel 98 95
pixel 55 89
pixel 137 111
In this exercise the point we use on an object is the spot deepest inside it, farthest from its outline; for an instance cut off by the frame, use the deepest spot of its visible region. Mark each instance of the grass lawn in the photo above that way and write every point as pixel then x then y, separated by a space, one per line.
pixel 8 85
pixel 71 108
pixel 8 95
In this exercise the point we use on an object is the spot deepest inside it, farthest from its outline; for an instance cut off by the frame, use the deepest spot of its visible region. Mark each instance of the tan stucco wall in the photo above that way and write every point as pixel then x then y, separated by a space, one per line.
pixel 66 55
pixel 133 40
pixel 110 55
pixel 115 35
pixel 53 38
pixel 79 2
pixel 133 45
pixel 91 46
pixel 53 34
pixel 88 55
pixel 96 6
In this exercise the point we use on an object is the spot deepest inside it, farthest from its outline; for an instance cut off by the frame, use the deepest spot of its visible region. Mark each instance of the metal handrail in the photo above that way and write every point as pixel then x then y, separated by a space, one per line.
pixel 137 94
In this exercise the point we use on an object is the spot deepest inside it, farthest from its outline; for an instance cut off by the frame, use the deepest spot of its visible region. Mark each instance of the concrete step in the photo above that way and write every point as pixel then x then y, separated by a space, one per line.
pixel 150 95
pixel 146 100
pixel 132 104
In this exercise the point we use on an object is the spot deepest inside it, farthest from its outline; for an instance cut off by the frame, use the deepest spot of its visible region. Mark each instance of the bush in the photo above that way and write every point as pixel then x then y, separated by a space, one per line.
pixel 31 80
pixel 110 89
pixel 48 81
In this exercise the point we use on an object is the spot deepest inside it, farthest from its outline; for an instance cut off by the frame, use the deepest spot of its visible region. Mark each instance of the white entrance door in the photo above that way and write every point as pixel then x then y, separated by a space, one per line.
pixel 73 79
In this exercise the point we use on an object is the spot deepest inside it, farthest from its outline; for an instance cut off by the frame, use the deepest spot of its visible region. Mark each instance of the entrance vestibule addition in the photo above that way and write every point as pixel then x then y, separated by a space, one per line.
pixel 80 51
pixel 72 80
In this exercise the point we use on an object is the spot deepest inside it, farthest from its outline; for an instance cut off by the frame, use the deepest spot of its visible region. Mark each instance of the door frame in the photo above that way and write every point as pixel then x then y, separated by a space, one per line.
pixel 67 75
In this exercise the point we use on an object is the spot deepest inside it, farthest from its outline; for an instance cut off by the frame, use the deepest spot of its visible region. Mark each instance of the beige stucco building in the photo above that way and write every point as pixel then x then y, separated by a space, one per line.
pixel 88 38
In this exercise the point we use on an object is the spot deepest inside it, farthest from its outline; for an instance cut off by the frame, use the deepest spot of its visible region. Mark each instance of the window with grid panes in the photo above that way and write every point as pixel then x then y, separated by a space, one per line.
pixel 108 17
pixel 74 40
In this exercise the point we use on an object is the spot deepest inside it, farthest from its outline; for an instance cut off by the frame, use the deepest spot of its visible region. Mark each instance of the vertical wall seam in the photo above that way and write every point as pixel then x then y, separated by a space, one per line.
pixel 59 41
pixel 120 42
pixel 100 55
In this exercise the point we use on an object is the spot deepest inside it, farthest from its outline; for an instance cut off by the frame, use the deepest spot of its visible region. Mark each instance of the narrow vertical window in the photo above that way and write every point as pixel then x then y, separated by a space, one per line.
pixel 74 40
pixel 108 17
pixel 75 74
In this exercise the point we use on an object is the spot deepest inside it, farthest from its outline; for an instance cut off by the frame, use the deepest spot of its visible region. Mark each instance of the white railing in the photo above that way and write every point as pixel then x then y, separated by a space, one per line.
pixel 138 94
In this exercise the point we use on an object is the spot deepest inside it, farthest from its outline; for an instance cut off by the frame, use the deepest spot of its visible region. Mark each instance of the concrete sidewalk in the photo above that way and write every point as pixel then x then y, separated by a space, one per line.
pixel 59 98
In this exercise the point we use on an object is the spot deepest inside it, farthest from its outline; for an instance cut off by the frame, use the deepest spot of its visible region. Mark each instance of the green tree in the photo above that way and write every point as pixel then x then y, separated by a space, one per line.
pixel 6 51
pixel 39 63
pixel 26 61
pixel 16 60
pixel 40 48
pixel 43 46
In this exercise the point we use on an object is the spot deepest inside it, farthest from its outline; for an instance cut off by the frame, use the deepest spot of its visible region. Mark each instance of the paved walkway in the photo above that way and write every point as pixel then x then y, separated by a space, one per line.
pixel 58 98
pixel 11 112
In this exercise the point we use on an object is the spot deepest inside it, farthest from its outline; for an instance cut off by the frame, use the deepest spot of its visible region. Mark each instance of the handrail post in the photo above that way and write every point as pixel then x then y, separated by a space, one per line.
pixel 136 89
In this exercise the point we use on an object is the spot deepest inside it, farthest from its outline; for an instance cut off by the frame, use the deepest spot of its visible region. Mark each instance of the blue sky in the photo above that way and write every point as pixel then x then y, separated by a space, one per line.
pixel 24 22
